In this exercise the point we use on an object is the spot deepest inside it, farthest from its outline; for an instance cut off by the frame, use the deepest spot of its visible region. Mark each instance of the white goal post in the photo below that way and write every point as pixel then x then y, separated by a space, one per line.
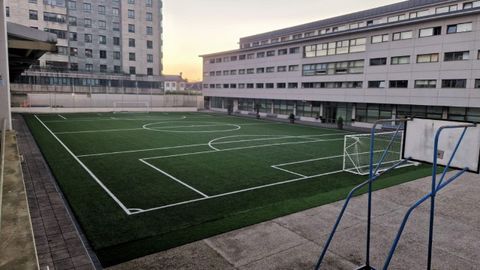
pixel 131 106
pixel 356 152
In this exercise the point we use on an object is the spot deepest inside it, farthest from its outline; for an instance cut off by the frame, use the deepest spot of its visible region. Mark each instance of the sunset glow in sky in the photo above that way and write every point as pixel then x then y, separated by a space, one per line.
pixel 195 27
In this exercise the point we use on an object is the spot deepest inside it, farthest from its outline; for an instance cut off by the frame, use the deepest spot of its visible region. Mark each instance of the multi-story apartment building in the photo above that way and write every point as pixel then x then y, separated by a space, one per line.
pixel 99 42
pixel 414 58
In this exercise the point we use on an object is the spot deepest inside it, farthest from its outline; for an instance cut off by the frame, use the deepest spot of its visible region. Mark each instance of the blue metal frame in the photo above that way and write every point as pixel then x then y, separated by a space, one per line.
pixel 373 176
pixel 432 195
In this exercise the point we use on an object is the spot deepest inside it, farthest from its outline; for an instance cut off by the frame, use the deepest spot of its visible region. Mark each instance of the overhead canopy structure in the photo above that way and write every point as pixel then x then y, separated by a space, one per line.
pixel 25 46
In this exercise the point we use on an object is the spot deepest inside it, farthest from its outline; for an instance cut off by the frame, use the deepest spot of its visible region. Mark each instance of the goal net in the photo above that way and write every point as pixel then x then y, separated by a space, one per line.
pixel 356 156
pixel 131 106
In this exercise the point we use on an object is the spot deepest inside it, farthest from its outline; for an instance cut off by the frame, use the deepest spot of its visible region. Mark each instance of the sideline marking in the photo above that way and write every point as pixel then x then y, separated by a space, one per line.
pixel 61 116
pixel 174 178
pixel 98 131
pixel 125 209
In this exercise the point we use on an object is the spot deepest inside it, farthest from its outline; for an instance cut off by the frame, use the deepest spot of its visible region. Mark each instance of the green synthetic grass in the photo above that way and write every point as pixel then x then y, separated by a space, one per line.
pixel 247 151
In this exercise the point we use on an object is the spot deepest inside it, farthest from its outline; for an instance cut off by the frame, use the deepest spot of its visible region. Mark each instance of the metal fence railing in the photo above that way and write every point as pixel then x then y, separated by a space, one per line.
pixel 3 130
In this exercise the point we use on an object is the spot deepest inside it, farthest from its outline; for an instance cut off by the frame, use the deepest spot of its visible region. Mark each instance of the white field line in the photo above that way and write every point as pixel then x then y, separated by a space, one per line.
pixel 98 131
pixel 240 148
pixel 124 119
pixel 174 178
pixel 195 145
pixel 237 192
pixel 125 209
pixel 287 171
pixel 63 117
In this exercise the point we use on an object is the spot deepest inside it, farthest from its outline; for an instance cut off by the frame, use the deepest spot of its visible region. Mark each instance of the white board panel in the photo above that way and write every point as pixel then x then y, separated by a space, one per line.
pixel 420 139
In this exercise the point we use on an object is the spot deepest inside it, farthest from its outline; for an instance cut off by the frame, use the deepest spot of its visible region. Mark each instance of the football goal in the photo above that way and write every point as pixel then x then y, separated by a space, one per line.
pixel 131 106
pixel 388 147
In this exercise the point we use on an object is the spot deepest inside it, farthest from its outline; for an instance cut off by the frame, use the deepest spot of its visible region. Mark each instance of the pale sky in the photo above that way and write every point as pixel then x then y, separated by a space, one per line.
pixel 195 27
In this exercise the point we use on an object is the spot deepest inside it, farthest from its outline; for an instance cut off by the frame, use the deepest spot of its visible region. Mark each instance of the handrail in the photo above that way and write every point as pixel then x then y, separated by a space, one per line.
pixel 2 163
pixel 432 195
pixel 347 201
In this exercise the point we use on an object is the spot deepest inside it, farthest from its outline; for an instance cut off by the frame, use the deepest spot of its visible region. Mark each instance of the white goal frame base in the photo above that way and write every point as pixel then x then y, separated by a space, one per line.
pixel 131 106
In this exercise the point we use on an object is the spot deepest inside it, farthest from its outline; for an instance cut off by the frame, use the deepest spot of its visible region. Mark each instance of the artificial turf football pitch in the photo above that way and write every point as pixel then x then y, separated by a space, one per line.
pixel 143 183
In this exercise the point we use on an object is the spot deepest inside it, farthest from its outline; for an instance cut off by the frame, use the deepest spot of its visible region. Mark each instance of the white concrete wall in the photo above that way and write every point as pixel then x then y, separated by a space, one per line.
pixel 4 73
pixel 108 102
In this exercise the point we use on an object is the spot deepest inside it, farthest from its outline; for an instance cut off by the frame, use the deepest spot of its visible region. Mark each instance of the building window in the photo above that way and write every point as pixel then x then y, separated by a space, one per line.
pixel 74 66
pixel 116 41
pixel 131 2
pixel 428 32
pixel 73 51
pixel 457 83
pixel 117 69
pixel 428 58
pixel 131 42
pixel 88 38
pixel 260 54
pixel 378 61
pixel 250 71
pixel 102 25
pixel 426 84
pixel 102 39
pixel 149 30
pixel 115 12
pixel 294 50
pixel 116 55
pixel 149 44
pixel 270 69
pixel 380 38
pixel 456 56
pixel 282 52
pixel 259 85
pixel 87 23
pixel 72 36
pixel 149 17
pixel 477 83
pixel 292 85
pixel 281 85
pixel 131 56
pixel 72 21
pixel 72 5
pixel 103 68
pixel 148 3
pixel 398 84
pixel 115 26
pixel 87 7
pixel 270 53
pixel 7 11
pixel 402 35
pixel 150 71
pixel 150 58
pixel 88 53
pixel 131 14
pixel 101 10
pixel 132 70
pixel 250 56
pixel 33 15
pixel 400 60
pixel 131 28
pixel 281 68
pixel 103 54
pixel 376 84
pixel 459 28
pixel 293 68
pixel 58 18
pixel 260 70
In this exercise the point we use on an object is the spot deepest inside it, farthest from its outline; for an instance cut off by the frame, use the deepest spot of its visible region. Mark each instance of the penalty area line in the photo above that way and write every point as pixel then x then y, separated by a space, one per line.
pixel 236 192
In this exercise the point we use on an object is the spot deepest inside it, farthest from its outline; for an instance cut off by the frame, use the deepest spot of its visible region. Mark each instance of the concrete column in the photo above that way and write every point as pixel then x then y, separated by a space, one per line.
pixel 4 74
pixel 235 105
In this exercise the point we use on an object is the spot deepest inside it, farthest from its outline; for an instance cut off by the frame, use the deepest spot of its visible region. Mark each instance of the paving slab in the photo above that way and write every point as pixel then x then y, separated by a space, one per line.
pixel 53 224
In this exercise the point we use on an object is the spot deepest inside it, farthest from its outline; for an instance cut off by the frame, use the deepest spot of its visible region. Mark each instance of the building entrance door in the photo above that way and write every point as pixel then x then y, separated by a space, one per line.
pixel 331 113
